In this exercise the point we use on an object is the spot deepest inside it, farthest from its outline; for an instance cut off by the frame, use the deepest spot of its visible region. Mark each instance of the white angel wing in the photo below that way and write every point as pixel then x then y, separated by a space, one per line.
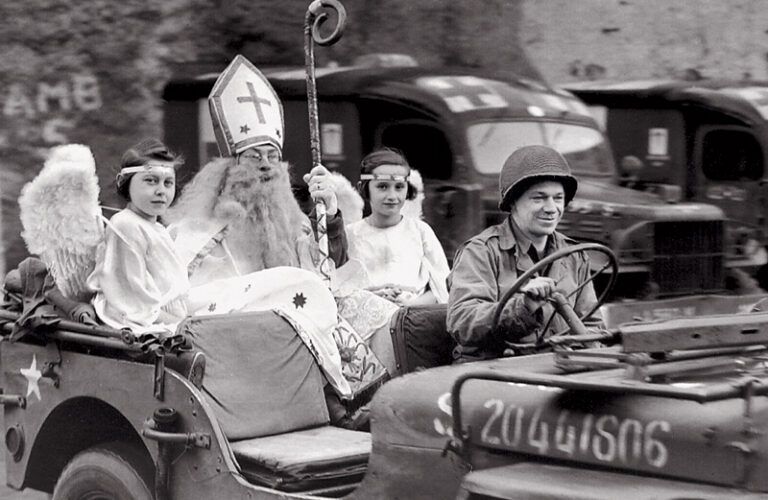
pixel 61 217
pixel 412 208
pixel 350 202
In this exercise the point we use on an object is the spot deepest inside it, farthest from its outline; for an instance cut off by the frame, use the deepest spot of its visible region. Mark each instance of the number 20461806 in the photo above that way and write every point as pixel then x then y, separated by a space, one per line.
pixel 603 438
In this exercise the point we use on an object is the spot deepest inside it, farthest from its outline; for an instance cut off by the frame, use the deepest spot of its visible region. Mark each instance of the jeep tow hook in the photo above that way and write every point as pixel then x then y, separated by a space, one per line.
pixel 196 439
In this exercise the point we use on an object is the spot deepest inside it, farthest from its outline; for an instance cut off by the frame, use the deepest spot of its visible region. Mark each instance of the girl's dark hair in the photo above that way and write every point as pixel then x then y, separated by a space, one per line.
pixel 377 158
pixel 140 154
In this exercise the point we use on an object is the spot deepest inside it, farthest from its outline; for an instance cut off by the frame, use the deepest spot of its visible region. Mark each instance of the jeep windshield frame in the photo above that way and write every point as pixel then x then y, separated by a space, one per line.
pixel 490 142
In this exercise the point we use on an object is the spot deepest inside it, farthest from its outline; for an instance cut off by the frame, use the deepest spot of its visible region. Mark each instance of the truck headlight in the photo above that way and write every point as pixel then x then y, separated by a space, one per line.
pixel 743 242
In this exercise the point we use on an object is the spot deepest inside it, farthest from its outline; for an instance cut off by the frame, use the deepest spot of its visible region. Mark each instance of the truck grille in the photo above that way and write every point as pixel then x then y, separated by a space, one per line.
pixel 689 257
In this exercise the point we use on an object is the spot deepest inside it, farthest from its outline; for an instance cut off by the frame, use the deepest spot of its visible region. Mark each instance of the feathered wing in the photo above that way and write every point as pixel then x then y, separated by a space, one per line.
pixel 199 197
pixel 412 208
pixel 350 202
pixel 61 217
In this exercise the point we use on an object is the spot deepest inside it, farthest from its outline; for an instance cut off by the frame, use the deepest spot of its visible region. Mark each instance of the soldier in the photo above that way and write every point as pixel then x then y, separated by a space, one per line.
pixel 535 186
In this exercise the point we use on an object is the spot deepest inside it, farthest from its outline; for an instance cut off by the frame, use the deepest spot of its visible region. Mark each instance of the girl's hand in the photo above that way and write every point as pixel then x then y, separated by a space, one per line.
pixel 388 292
pixel 416 300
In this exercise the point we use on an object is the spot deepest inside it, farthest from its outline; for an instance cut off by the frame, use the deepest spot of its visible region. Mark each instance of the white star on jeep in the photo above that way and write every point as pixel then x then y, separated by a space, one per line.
pixel 32 374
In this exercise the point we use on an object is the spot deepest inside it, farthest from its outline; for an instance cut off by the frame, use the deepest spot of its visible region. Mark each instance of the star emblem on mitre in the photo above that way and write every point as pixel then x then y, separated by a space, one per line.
pixel 33 375
pixel 243 95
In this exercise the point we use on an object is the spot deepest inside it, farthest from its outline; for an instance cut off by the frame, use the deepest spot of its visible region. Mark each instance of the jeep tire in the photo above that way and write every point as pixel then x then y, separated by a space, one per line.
pixel 114 471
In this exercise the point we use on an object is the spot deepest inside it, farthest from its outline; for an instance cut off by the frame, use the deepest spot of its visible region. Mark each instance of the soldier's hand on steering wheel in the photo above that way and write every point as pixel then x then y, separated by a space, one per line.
pixel 537 291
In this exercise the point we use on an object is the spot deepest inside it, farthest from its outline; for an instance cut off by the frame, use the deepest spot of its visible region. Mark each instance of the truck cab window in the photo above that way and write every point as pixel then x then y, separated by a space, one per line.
pixel 731 155
pixel 585 148
pixel 425 147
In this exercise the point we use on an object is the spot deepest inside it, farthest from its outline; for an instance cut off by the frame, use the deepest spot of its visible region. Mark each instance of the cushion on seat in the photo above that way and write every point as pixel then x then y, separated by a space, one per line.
pixel 260 378
pixel 310 461
pixel 420 338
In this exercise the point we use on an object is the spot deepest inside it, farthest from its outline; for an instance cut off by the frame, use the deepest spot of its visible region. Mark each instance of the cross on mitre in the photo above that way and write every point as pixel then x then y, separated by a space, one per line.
pixel 245 109
pixel 257 101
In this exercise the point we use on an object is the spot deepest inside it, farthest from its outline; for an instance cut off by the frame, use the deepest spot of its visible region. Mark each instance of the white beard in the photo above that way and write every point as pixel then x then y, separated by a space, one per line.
pixel 263 216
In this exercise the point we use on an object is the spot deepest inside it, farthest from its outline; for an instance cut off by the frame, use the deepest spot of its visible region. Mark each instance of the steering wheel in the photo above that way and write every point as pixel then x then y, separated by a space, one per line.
pixel 560 302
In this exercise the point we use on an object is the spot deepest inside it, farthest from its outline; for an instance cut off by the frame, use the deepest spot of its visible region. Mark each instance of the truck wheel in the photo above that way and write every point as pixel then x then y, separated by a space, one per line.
pixel 109 472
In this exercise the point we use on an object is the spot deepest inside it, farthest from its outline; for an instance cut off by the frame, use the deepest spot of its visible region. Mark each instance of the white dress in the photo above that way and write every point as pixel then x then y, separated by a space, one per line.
pixel 407 255
pixel 137 275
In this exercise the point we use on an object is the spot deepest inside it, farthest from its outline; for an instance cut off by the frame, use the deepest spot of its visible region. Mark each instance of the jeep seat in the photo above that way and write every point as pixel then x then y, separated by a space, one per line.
pixel 420 338
pixel 321 460
pixel 266 391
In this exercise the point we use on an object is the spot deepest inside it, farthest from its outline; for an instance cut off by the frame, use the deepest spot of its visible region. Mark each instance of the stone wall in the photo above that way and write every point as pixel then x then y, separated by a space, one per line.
pixel 84 71
pixel 92 71
pixel 592 39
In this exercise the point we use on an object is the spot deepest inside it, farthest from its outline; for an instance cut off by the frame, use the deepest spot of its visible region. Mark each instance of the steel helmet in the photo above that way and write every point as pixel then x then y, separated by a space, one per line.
pixel 529 165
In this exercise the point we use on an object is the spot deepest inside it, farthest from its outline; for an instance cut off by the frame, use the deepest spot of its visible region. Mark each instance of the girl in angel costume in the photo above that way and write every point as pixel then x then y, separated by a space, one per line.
pixel 139 281
pixel 402 257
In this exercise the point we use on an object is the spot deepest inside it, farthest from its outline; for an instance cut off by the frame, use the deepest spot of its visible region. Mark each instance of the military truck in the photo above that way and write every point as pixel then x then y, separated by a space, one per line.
pixel 675 409
pixel 703 141
pixel 457 126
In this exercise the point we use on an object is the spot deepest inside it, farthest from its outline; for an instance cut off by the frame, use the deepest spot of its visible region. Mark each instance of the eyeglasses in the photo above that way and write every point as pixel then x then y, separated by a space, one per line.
pixel 272 156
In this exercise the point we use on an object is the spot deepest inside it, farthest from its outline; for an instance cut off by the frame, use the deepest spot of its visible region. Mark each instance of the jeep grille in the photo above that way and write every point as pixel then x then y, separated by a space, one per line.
pixel 689 257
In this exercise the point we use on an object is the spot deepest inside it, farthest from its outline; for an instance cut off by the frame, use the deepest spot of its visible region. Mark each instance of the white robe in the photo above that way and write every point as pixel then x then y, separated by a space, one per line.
pixel 297 295
pixel 208 260
pixel 139 272
pixel 137 275
pixel 407 255
pixel 216 272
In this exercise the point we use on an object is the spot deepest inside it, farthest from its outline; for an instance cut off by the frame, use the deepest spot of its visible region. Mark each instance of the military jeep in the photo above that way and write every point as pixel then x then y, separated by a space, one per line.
pixel 675 409
pixel 457 126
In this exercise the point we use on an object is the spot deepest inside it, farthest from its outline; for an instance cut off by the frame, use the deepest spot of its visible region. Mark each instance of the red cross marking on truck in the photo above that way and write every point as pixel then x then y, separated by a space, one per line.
pixel 464 93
